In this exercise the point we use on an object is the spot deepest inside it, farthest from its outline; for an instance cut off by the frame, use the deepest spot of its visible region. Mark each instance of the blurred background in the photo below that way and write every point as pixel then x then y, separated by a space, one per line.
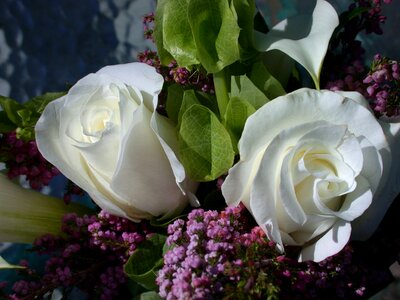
pixel 47 45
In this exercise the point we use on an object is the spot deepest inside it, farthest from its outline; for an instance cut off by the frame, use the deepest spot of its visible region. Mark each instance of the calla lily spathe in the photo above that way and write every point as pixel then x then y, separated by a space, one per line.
pixel 311 163
pixel 304 38
pixel 106 136
pixel 27 214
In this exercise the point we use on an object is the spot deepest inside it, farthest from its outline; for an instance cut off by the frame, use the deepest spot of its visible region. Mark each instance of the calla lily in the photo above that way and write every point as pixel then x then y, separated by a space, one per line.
pixel 27 214
pixel 304 38
pixel 5 265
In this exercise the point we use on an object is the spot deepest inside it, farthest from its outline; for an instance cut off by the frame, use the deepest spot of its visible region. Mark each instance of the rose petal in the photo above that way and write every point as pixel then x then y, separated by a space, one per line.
pixel 49 141
pixel 294 109
pixel 356 202
pixel 143 161
pixel 140 75
pixel 289 111
pixel 269 166
pixel 351 154
pixel 264 202
pixel 315 226
pixel 329 244
pixel 389 188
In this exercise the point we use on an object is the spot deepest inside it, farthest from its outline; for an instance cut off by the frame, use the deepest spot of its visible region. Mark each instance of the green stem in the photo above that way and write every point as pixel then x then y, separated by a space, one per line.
pixel 221 91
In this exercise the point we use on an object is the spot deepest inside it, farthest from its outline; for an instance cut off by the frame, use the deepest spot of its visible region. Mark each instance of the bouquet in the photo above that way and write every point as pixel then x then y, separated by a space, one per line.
pixel 239 161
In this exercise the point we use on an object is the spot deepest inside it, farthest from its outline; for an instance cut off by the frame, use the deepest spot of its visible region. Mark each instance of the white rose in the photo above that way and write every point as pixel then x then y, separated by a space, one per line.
pixel 106 137
pixel 311 162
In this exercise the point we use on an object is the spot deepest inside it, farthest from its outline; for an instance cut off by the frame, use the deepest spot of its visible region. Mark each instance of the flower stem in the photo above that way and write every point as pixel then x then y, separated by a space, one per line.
pixel 221 91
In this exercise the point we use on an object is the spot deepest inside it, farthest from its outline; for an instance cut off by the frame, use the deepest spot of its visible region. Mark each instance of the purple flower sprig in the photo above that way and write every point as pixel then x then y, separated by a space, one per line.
pixel 148 26
pixel 22 158
pixel 217 256
pixel 345 51
pixel 196 79
pixel 90 255
pixel 383 86
pixel 353 76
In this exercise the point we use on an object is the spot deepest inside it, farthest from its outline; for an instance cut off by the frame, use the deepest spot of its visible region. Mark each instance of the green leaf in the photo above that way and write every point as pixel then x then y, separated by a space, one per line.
pixel 205 145
pixel 208 101
pixel 189 99
pixel 242 87
pixel 26 117
pixel 165 57
pixel 245 10
pixel 177 35
pixel 259 23
pixel 216 33
pixel 5 265
pixel 143 264
pixel 26 134
pixel 5 124
pixel 38 104
pixel 164 223
pixel 135 289
pixel 152 295
pixel 174 101
pixel 267 83
pixel 237 112
pixel 179 100
pixel 11 108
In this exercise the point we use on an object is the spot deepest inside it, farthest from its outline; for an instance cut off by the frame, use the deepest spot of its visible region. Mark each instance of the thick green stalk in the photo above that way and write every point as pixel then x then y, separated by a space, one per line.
pixel 221 91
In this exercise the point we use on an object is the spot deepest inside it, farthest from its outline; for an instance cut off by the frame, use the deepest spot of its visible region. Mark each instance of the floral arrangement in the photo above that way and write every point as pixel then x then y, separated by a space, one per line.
pixel 236 162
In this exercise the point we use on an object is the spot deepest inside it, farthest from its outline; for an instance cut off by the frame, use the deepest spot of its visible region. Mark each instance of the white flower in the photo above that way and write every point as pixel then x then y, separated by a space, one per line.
pixel 27 214
pixel 305 38
pixel 105 136
pixel 311 162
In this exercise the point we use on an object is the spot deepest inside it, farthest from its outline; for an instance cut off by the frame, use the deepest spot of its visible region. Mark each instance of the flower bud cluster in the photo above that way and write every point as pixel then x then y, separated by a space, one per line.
pixel 196 79
pixel 383 86
pixel 373 17
pixel 90 256
pixel 213 255
pixel 345 50
pixel 352 80
pixel 148 26
pixel 22 158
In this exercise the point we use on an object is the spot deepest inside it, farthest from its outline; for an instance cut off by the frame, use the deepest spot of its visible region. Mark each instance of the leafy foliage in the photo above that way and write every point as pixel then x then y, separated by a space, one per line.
pixel 205 146
pixel 213 33
pixel 23 117
pixel 145 261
